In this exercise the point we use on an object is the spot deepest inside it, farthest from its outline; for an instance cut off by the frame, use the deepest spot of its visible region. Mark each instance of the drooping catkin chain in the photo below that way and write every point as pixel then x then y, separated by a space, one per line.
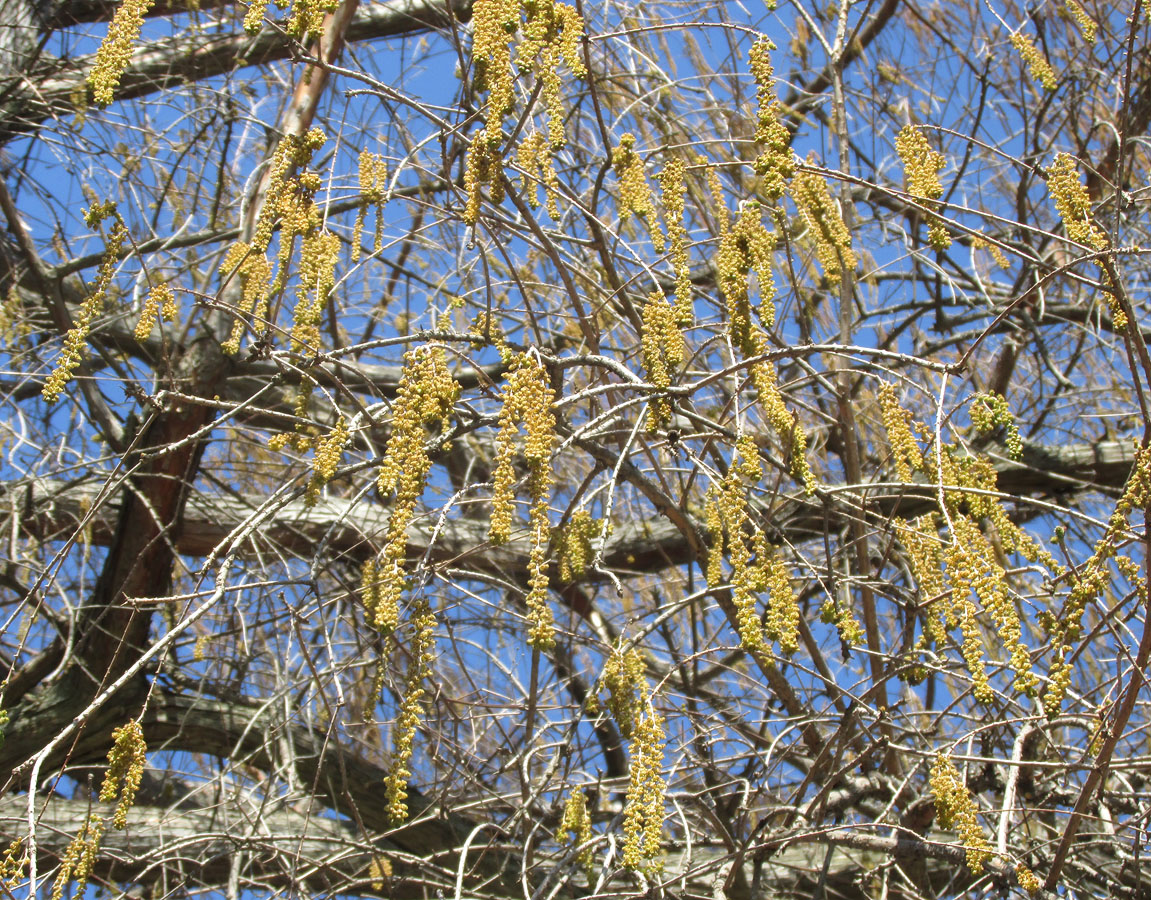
pixel 527 401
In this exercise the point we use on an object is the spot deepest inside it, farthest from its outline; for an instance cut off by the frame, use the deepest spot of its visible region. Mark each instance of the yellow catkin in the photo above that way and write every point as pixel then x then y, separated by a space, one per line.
pixel 293 152
pixel 1037 64
pixel 116 50
pixel 306 20
pixel 922 165
pixel 1028 880
pixel 79 859
pixel 783 605
pixel 624 680
pixel 494 26
pixel 973 568
pixel 13 864
pixel 896 422
pixel 408 720
pixel 254 18
pixel 575 544
pixel 328 452
pixel 160 305
pixel 535 160
pixel 484 168
pixel 673 190
pixel 980 243
pixel 1074 207
pixel 527 401
pixel 824 224
pixel 91 309
pixel 319 254
pixel 775 163
pixel 1073 203
pixel 924 551
pixel 989 413
pixel 255 275
pixel 1079 15
pixel 840 614
pixel 783 423
pixel 634 191
pixel 125 770
pixel 551 38
pixel 373 176
pixel 956 809
pixel 744 248
pixel 643 808
pixel 1092 579
pixel 575 828
pixel 663 350
pixel 426 396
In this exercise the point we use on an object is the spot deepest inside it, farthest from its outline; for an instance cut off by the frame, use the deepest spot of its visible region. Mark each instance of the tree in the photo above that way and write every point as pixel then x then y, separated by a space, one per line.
pixel 518 449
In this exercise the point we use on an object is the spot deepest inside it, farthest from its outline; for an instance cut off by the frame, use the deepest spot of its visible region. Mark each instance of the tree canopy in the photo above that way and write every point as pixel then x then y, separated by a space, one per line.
pixel 533 448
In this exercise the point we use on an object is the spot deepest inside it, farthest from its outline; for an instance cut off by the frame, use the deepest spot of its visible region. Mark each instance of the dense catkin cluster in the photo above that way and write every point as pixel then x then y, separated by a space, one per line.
pixel 535 160
pixel 626 685
pixel 527 401
pixel 125 770
pixel 969 567
pixel 93 306
pixel 1028 880
pixel 79 859
pixel 955 808
pixel 673 190
pixel 922 165
pixel 744 248
pixel 663 351
pixel 634 191
pixel 319 252
pixel 329 450
pixel 905 451
pixel 551 38
pixel 643 809
pixel 160 305
pixel 254 18
pixel 575 828
pixel 1036 62
pixel 306 20
pixel 419 668
pixel 973 569
pixel 494 26
pixel 989 413
pixel 426 396
pixel 251 267
pixel 293 152
pixel 373 175
pixel 1093 578
pixel 116 50
pixel 575 543
pixel 756 567
pixel 775 163
pixel 824 224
